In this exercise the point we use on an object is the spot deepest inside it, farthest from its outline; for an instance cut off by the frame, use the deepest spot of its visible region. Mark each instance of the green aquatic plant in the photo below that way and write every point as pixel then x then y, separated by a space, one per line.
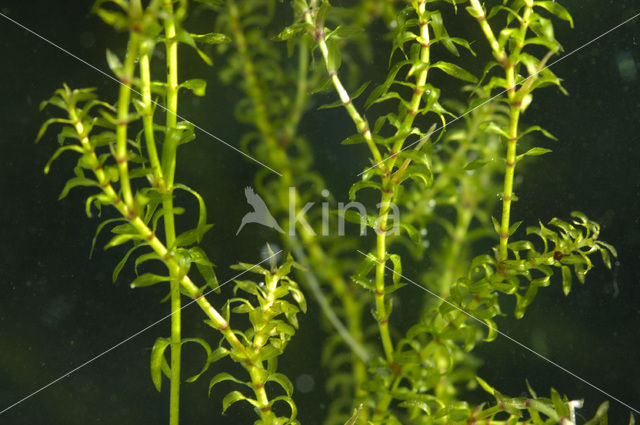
pixel 436 160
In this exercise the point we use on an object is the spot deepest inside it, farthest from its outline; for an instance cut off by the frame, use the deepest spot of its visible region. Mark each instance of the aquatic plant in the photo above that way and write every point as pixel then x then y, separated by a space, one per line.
pixel 427 173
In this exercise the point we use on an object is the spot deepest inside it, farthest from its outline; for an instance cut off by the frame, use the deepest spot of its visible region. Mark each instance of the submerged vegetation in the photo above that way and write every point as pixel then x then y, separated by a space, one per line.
pixel 433 161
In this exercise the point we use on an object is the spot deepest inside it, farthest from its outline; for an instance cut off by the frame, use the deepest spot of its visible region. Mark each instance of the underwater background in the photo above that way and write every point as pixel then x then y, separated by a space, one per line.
pixel 59 309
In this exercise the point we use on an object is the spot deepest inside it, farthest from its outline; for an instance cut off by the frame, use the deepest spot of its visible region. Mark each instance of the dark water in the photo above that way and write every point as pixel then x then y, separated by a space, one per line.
pixel 58 309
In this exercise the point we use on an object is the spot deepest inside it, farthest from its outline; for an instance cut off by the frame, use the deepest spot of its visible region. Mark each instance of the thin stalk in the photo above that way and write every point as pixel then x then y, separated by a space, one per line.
pixel 515 98
pixel 169 165
pixel 360 123
pixel 498 53
pixel 381 254
pixel 507 194
pixel 147 119
pixel 124 99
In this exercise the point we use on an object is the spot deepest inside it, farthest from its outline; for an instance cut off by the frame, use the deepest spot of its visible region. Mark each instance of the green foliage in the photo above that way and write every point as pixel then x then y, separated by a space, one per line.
pixel 436 160
pixel 273 321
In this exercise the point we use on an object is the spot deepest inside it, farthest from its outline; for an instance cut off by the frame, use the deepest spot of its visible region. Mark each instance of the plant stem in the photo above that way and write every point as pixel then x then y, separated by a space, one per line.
pixel 147 118
pixel 124 99
pixel 507 194
pixel 360 123
pixel 169 165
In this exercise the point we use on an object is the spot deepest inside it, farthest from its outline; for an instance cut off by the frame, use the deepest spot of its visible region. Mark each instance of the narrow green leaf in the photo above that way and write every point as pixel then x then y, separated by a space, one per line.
pixel 211 38
pixel 148 279
pixel 291 32
pixel 234 397
pixel 455 71
pixel 122 262
pixel 355 139
pixel 157 359
pixel 58 152
pixel 475 164
pixel 283 381
pixel 397 268
pixel 485 386
pixel 556 9
pixel 362 185
pixel 99 229
pixel 364 282
pixel 202 227
pixel 75 182
pixel 197 85
pixel 114 63
pixel 46 125
pixel 119 240
pixel 533 152
pixel 566 280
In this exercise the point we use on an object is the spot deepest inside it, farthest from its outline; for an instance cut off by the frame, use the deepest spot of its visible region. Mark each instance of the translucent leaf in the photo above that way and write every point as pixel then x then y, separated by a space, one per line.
pixel 47 123
pixel 114 63
pixel 475 164
pixel 157 360
pixel 197 85
pixel 533 152
pixel 99 229
pixel 364 282
pixel 186 38
pixel 148 279
pixel 211 38
pixel 455 71
pixel 485 386
pixel 556 9
pixel 361 185
pixel 224 376
pixel 397 268
pixel 291 32
pixel 202 227
pixel 122 262
pixel 75 182
pixel 207 348
pixel 441 33
pixel 355 139
pixel 283 381
pixel 566 280
pixel 255 268
pixel 119 240
pixel 344 32
pixel 234 397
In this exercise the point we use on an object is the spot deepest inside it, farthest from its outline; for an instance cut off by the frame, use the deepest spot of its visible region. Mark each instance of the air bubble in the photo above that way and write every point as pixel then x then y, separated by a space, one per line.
pixel 305 383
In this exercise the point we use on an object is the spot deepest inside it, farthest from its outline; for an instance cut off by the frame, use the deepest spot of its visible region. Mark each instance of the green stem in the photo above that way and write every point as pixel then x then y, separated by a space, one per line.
pixel 507 194
pixel 124 99
pixel 169 165
pixel 147 118
pixel 360 123
pixel 498 53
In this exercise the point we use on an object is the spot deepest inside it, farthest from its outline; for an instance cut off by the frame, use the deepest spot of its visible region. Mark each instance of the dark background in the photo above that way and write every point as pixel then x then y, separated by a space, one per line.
pixel 59 309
